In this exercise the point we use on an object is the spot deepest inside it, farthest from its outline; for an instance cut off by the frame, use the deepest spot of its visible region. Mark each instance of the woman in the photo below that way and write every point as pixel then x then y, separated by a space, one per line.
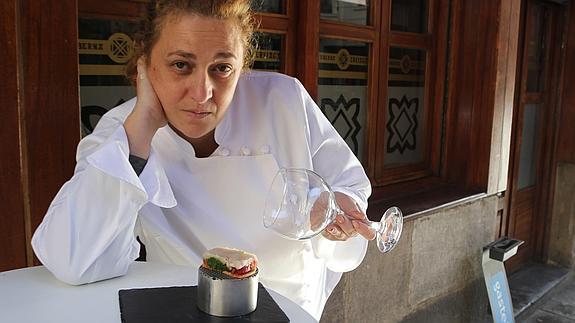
pixel 185 166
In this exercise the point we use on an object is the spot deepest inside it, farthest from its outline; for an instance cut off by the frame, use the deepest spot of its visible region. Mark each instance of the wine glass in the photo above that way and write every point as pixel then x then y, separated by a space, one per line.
pixel 300 205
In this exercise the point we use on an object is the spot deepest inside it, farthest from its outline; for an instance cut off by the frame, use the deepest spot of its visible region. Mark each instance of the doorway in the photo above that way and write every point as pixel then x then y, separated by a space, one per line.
pixel 534 131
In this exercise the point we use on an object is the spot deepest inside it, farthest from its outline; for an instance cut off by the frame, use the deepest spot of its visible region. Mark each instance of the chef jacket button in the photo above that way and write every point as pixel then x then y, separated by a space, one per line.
pixel 245 151
pixel 265 149
pixel 225 152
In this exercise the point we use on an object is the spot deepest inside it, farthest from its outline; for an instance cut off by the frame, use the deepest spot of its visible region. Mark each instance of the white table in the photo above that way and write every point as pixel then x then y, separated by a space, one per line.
pixel 34 295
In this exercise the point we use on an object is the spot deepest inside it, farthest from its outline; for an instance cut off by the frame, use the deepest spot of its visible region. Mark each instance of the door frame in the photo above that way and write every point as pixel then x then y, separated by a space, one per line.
pixel 545 164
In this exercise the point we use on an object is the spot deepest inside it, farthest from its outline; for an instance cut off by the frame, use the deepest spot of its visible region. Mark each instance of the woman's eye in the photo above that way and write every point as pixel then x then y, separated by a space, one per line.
pixel 223 68
pixel 180 65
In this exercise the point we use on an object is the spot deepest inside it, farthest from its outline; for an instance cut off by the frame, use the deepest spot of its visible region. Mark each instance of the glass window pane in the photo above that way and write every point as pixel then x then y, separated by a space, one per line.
pixel 342 89
pixel 409 16
pixel 348 11
pixel 529 146
pixel 535 51
pixel 270 6
pixel 405 115
pixel 268 53
pixel 104 49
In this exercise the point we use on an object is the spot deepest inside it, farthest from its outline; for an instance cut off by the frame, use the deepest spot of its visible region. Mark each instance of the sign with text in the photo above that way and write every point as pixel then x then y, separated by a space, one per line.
pixel 494 254
pixel 500 298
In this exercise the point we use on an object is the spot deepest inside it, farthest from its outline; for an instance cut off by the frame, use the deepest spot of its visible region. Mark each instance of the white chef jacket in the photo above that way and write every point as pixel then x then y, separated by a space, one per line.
pixel 181 205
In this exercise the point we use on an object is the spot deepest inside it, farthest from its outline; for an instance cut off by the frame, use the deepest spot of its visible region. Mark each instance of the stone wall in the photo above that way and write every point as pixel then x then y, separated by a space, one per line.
pixel 562 232
pixel 433 275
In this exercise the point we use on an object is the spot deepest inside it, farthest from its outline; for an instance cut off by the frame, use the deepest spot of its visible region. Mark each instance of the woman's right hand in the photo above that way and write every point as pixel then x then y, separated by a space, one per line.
pixel 147 117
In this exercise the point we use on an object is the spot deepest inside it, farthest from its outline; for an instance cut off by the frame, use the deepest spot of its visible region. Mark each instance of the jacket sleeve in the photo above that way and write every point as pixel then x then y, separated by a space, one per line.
pixel 87 233
pixel 336 163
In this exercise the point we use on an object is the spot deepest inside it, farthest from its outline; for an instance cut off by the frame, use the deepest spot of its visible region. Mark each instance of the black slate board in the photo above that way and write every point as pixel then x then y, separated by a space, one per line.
pixel 178 304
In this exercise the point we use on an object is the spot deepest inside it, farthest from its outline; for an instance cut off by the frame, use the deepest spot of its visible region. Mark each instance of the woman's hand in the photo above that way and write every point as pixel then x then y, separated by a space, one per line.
pixel 147 117
pixel 348 226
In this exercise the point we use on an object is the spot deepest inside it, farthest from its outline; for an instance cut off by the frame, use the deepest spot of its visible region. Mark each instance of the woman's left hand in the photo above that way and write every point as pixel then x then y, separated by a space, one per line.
pixel 345 227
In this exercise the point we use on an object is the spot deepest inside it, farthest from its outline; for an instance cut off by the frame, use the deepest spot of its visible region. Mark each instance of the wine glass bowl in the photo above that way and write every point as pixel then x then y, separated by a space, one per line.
pixel 300 205
pixel 293 195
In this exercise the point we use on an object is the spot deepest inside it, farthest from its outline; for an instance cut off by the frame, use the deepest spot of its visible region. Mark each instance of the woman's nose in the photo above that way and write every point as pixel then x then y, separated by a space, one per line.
pixel 200 88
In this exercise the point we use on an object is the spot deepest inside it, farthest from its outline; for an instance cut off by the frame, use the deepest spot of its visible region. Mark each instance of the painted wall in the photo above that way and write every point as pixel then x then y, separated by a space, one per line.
pixel 562 233
pixel 434 274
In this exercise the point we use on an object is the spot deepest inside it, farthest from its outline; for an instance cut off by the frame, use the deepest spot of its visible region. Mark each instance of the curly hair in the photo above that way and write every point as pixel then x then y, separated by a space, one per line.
pixel 158 11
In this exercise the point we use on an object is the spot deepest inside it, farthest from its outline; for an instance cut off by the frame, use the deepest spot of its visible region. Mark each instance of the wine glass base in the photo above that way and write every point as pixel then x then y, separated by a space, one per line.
pixel 391 228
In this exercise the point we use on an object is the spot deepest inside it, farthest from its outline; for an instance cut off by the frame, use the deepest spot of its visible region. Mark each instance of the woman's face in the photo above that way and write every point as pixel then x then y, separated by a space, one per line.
pixel 194 68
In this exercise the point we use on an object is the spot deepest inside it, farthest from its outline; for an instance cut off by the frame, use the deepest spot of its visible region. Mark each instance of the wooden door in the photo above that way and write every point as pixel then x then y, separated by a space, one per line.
pixel 533 130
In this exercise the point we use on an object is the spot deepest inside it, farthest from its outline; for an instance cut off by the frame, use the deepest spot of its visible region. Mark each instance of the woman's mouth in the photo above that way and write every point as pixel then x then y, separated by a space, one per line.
pixel 197 114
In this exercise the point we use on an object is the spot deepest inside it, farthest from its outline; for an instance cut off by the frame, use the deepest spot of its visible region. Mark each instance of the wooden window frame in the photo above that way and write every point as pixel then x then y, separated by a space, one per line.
pixel 434 80
pixel 425 185
pixel 284 25
pixel 465 31
pixel 123 9
pixel 329 29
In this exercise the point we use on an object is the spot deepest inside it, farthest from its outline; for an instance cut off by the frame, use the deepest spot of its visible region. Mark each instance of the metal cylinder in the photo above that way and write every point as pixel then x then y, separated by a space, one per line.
pixel 220 295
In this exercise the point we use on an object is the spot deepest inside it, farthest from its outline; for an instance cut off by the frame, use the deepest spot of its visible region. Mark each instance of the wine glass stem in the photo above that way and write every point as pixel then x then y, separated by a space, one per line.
pixel 376 226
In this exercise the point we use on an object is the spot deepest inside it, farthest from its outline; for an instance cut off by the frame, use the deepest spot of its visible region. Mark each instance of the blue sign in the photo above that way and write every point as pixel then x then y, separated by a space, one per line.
pixel 500 299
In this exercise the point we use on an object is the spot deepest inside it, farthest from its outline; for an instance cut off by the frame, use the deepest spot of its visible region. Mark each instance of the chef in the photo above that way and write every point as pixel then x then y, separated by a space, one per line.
pixel 186 165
